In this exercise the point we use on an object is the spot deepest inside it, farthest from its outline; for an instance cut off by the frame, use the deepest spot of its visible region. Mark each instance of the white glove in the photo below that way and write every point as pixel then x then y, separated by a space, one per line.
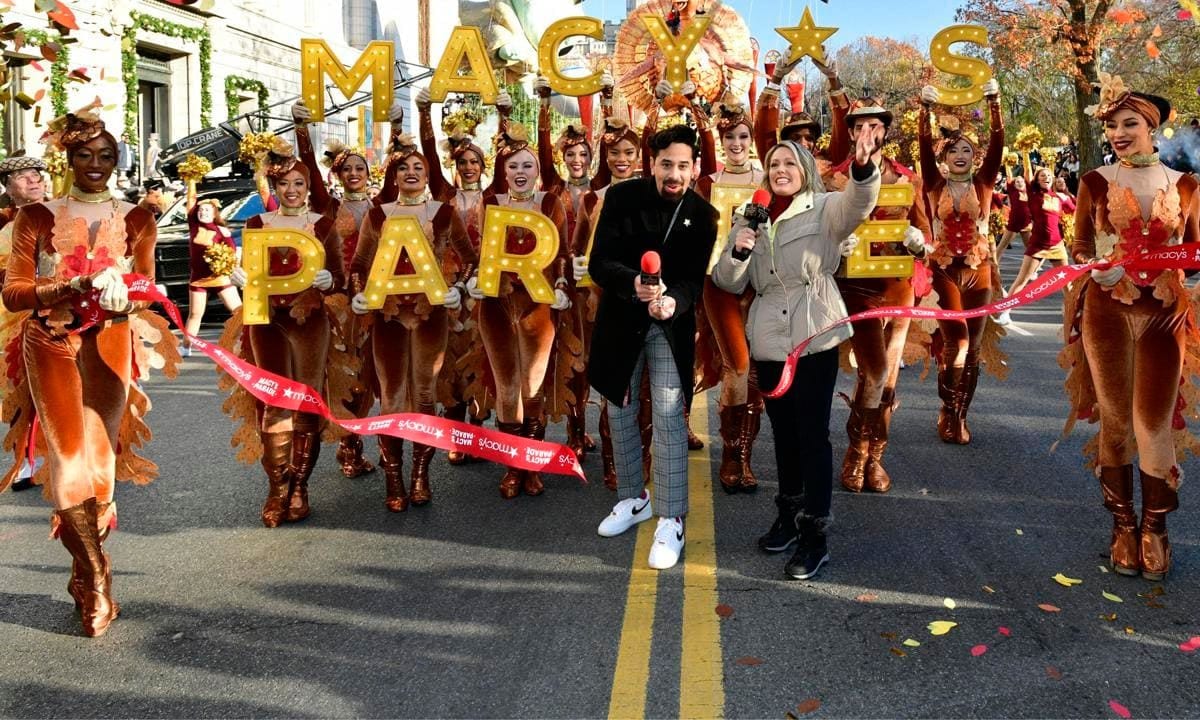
pixel 424 100
pixel 396 114
pixel 930 95
pixel 115 297
pixel 452 300
pixel 606 79
pixel 473 288
pixel 579 267
pixel 663 89
pixel 358 304
pixel 108 276
pixel 300 112
pixel 991 88
pixel 1109 277
pixel 847 246
pixel 914 240
pixel 323 280
pixel 688 88
pixel 238 277
pixel 504 100
pixel 541 84
pixel 561 301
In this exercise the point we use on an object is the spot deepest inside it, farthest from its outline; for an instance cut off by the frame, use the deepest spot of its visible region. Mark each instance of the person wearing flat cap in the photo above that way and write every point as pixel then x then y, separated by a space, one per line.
pixel 1129 331
pixel 23 183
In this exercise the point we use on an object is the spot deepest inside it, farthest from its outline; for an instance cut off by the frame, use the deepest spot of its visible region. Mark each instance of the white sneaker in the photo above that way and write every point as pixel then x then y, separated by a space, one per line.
pixel 1003 319
pixel 668 543
pixel 185 351
pixel 625 515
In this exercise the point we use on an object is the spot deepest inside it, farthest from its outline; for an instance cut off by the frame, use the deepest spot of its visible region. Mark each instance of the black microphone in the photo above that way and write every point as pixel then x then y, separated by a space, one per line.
pixel 756 214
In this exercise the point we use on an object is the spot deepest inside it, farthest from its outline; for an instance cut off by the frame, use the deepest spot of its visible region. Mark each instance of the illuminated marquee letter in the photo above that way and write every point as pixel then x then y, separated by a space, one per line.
pixel 676 49
pixel 318 60
pixel 260 284
pixel 465 43
pixel 495 259
pixel 548 55
pixel 726 199
pixel 862 264
pixel 977 71
pixel 404 233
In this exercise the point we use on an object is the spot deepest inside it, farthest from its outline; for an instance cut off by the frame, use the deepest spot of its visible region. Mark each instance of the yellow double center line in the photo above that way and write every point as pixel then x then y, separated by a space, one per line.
pixel 701 672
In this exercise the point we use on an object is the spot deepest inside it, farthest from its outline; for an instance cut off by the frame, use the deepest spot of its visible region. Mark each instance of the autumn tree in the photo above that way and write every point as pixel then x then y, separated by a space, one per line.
pixel 1049 53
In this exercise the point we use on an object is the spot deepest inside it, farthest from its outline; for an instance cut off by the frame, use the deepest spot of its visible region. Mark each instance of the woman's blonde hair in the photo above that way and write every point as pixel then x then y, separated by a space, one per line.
pixel 808 165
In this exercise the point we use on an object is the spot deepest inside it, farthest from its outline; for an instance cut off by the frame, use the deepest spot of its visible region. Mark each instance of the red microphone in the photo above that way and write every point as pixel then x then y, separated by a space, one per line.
pixel 651 268
pixel 756 214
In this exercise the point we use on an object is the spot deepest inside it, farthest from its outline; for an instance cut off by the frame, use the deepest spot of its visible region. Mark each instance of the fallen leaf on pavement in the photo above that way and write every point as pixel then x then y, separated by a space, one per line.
pixel 1102 568
pixel 949 603
pixel 898 652
pixel 1128 630
pixel 1020 531
pixel 1120 709
pixel 1192 645
pixel 978 650
pixel 913 643
pixel 1066 581
pixel 809 705
pixel 749 661
pixel 1004 631
pixel 988 589
pixel 1109 596
pixel 867 597
pixel 1053 673
pixel 1049 608
pixel 724 610
pixel 941 627
pixel 888 635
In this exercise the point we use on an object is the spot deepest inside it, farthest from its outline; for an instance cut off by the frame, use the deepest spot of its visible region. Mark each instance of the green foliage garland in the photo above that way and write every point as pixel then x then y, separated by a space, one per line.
pixel 233 85
pixel 150 23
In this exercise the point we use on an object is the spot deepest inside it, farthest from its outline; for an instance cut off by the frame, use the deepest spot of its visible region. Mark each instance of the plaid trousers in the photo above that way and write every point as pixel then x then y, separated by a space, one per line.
pixel 670 431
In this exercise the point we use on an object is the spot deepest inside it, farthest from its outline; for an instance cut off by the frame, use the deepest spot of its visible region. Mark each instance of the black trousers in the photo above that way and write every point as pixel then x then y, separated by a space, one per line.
pixel 800 422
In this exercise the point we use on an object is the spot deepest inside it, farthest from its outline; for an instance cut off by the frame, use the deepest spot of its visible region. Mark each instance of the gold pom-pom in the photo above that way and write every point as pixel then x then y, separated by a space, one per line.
pixel 1011 158
pixel 891 150
pixel 823 142
pixel 461 121
pixel 949 123
pixel 56 162
pixel 1028 138
pixel 254 147
pixel 194 168
pixel 221 259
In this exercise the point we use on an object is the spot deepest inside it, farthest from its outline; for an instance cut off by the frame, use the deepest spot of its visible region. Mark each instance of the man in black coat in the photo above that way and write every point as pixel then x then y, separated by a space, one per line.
pixel 643 326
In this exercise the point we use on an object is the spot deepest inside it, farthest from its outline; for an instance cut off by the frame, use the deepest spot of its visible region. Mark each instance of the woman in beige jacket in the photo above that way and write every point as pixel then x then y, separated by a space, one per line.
pixel 790 262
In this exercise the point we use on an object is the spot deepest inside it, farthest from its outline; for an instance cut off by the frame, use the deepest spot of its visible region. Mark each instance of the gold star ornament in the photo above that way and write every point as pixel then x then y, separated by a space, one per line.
pixel 806 38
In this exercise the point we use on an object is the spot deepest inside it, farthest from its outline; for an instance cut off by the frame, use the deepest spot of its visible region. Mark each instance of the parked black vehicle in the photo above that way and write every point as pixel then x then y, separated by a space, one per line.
pixel 239 201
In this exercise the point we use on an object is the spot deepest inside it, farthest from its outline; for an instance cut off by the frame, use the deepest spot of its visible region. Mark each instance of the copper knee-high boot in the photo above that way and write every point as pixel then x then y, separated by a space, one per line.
pixel 456 412
pixel 391 451
pixel 350 457
pixel 694 442
pixel 1116 486
pixel 533 428
pixel 81 538
pixel 306 448
pixel 751 422
pixel 876 478
pixel 1158 499
pixel 948 392
pixel 607 458
pixel 854 466
pixel 419 493
pixel 730 470
pixel 510 484
pixel 104 526
pixel 965 394
pixel 276 460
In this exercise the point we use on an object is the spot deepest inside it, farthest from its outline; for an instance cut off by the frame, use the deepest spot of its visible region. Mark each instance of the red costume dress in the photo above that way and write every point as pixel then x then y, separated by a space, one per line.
pixel 1046 208
pixel 408 339
pixel 202 237
pixel 1019 216
pixel 878 344
pixel 964 275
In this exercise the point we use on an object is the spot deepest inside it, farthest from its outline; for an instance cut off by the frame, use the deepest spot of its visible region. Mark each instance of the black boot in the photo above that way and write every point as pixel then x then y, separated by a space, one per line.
pixel 812 552
pixel 784 533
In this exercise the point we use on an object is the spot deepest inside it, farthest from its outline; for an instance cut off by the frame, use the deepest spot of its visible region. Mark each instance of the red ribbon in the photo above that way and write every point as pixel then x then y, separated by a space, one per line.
pixel 278 391
pixel 1179 257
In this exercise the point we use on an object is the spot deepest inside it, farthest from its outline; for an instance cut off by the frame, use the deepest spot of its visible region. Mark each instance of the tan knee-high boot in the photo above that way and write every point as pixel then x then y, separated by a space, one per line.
pixel 276 460
pixel 510 483
pixel 948 391
pixel 534 428
pixel 1158 499
pixel 81 538
pixel 1116 486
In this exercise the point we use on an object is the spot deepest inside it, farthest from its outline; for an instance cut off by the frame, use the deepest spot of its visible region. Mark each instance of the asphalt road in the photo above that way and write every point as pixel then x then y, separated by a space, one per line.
pixel 480 607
